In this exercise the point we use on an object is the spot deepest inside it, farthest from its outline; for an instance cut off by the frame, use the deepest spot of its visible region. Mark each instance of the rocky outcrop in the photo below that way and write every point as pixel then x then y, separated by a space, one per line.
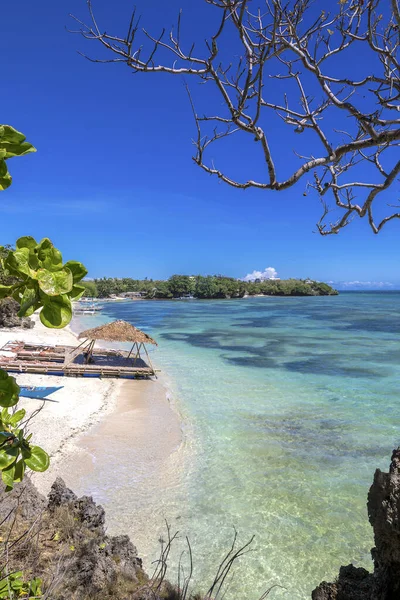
pixel 384 515
pixel 354 583
pixel 98 562
pixel 25 498
pixel 70 539
pixel 68 547
pixel 9 317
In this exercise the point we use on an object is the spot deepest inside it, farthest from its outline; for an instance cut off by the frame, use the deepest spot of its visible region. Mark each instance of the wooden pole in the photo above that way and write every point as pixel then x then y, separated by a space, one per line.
pixel 81 344
pixel 137 353
pixel 148 357
pixel 90 351
pixel 72 355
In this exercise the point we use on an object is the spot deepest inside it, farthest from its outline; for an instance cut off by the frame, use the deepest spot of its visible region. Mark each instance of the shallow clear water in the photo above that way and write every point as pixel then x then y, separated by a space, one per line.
pixel 290 404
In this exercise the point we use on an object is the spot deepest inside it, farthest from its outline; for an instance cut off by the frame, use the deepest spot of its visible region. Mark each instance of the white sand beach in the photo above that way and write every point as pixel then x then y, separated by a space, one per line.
pixel 83 402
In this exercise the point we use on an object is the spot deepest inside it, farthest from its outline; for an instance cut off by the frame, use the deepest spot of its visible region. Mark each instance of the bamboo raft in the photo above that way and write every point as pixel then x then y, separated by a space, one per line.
pixel 20 357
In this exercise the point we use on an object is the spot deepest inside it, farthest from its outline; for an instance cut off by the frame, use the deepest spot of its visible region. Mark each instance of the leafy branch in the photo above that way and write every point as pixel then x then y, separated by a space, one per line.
pixel 12 143
pixel 42 281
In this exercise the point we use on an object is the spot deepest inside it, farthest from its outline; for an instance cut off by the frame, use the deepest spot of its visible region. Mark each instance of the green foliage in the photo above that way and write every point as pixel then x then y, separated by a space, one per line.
pixel 209 287
pixel 181 285
pixel 218 286
pixel 34 275
pixel 13 586
pixel 16 451
pixel 161 290
pixel 37 278
pixel 108 285
pixel 90 288
pixel 12 143
pixel 9 390
pixel 290 287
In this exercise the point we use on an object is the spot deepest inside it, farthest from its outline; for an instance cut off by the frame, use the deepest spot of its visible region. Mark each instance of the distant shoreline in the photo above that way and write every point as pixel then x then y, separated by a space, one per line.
pixel 106 299
pixel 210 287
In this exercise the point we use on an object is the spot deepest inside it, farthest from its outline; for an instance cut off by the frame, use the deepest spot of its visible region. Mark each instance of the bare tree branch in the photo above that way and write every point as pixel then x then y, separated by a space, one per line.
pixel 296 44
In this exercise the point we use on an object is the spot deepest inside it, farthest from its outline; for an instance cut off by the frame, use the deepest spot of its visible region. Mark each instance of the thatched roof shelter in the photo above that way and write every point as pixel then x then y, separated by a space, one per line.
pixel 118 331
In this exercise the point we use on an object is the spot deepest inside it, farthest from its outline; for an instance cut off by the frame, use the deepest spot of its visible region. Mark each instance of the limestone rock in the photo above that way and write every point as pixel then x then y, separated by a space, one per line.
pixel 59 494
pixel 25 497
pixel 9 317
pixel 352 584
pixel 384 516
pixel 99 561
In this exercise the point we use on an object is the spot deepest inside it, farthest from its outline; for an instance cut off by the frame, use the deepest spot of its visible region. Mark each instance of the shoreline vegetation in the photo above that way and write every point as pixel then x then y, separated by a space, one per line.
pixel 203 288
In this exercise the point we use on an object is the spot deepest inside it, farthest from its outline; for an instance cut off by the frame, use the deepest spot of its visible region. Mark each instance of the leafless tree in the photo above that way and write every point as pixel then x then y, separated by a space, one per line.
pixel 314 58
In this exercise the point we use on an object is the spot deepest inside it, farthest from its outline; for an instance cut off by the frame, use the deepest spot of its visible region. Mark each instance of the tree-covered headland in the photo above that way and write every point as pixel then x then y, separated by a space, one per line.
pixel 205 287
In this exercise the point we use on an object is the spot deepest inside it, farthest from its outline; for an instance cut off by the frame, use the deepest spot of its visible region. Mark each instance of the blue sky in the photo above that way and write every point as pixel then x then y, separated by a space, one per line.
pixel 113 184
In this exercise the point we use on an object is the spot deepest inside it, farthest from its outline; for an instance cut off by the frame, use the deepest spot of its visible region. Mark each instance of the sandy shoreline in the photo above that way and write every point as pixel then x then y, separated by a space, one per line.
pixel 90 413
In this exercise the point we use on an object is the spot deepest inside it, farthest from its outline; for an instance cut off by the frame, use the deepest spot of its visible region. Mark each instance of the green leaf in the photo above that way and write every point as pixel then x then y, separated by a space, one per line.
pixel 4 588
pixel 9 134
pixel 77 269
pixel 35 587
pixel 8 456
pixel 26 242
pixel 55 283
pixel 7 476
pixel 12 143
pixel 3 166
pixel 36 458
pixel 49 256
pixel 5 291
pixel 19 261
pixel 5 416
pixel 56 312
pixel 19 471
pixel 17 149
pixel 17 417
pixel 5 177
pixel 77 292
pixel 29 302
pixel 9 390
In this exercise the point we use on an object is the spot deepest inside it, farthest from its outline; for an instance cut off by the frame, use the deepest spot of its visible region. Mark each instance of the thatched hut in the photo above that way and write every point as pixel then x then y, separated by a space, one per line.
pixel 117 331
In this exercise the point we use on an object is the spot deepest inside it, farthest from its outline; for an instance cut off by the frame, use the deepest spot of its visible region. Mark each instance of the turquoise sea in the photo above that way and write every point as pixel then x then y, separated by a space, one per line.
pixel 288 406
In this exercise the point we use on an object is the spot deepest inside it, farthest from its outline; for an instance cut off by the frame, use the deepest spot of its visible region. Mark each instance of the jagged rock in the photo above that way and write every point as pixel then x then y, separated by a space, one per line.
pixel 99 561
pixel 125 552
pixel 93 569
pixel 25 497
pixel 384 516
pixel 9 317
pixel 86 511
pixel 91 515
pixel 352 584
pixel 59 494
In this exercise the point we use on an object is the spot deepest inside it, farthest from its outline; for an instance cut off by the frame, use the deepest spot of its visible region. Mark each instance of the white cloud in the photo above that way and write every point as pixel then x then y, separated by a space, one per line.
pixel 268 273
